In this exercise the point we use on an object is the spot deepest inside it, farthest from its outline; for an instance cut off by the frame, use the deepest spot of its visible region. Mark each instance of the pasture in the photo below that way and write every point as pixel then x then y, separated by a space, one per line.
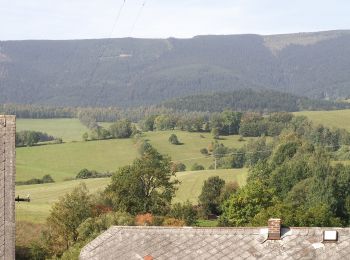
pixel 44 195
pixel 335 118
pixel 69 129
pixel 63 161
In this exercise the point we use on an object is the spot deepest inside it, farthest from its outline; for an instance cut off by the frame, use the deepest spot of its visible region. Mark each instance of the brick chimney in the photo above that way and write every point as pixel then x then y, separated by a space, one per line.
pixel 274 227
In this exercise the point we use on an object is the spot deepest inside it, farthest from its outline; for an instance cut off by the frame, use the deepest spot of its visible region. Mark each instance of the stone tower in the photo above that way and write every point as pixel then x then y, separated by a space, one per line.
pixel 7 186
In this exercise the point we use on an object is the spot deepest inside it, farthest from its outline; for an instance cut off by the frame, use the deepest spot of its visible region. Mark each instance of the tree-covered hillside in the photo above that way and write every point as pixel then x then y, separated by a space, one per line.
pixel 250 100
pixel 128 72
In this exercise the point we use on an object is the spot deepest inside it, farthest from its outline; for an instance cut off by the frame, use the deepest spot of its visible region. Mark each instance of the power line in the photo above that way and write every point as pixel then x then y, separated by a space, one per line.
pixel 92 75
pixel 102 52
pixel 137 17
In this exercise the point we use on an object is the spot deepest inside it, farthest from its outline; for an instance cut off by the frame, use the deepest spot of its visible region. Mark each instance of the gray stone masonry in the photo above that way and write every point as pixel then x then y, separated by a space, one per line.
pixel 7 186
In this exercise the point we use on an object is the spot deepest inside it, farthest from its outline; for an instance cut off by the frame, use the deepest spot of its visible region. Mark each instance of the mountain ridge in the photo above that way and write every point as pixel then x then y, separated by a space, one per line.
pixel 132 72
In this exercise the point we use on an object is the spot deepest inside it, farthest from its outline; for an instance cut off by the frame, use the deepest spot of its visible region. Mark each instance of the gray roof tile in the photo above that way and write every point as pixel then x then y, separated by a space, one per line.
pixel 215 243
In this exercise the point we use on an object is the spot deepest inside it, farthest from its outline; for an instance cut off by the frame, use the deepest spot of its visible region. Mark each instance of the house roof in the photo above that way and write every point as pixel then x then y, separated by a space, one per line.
pixel 215 243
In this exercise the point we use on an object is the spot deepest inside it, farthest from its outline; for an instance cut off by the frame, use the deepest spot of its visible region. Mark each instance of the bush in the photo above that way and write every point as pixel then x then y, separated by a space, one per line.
pixel 47 179
pixel 143 147
pixel 173 222
pixel 38 251
pixel 179 167
pixel 121 129
pixel 204 151
pixel 85 136
pixel 197 167
pixel 44 179
pixel 241 139
pixel 144 219
pixel 174 140
pixel 86 174
pixel 185 212
pixel 30 138
pixel 58 140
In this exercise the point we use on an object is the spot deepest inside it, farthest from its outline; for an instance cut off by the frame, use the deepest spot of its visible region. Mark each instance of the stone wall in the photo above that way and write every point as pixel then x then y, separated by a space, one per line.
pixel 7 186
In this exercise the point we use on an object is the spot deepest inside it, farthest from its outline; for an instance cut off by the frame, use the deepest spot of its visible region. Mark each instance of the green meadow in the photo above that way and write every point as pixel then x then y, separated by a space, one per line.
pixel 335 118
pixel 64 161
pixel 69 129
pixel 192 182
pixel 44 195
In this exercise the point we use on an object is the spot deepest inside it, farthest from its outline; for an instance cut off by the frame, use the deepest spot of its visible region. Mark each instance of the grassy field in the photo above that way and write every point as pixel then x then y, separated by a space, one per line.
pixel 188 152
pixel 68 129
pixel 66 160
pixel 43 195
pixel 336 118
pixel 63 161
pixel 191 182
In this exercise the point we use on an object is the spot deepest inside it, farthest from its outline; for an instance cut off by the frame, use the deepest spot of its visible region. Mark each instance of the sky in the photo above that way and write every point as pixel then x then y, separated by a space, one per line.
pixel 86 19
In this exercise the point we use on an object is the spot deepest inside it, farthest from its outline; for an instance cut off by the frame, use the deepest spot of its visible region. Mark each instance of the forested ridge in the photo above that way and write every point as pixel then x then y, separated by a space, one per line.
pixel 249 100
pixel 134 72
pixel 263 101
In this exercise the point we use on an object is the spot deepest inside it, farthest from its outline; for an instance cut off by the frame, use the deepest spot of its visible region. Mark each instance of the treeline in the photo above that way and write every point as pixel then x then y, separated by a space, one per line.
pixel 250 100
pixel 30 138
pixel 100 114
pixel 92 174
pixel 334 141
pixel 45 179
pixel 241 100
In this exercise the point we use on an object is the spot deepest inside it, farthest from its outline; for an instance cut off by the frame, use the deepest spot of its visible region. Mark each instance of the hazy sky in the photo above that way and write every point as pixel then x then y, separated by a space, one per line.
pixel 80 19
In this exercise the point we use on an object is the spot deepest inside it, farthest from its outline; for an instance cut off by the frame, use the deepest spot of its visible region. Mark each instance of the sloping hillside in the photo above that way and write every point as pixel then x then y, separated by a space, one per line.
pixel 126 72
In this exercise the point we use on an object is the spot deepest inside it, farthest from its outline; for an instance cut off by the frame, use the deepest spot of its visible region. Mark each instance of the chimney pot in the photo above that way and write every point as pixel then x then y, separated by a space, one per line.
pixel 274 229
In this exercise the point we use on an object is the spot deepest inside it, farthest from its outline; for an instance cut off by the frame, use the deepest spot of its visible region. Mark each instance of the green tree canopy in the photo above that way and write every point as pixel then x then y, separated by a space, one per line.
pixel 146 186
pixel 209 199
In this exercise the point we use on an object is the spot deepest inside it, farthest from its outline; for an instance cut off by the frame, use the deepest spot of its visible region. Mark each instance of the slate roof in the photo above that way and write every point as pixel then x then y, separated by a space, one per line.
pixel 215 243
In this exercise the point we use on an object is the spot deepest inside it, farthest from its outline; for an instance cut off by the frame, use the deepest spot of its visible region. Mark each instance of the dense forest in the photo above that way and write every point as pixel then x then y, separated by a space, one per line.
pixel 134 72
pixel 250 100
pixel 263 101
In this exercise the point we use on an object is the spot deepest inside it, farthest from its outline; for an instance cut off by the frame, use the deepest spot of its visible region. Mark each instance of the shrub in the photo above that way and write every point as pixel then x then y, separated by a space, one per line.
pixel 179 167
pixel 204 151
pixel 121 129
pixel 44 179
pixel 86 174
pixel 143 147
pixel 144 219
pixel 85 136
pixel 30 138
pixel 174 140
pixel 58 140
pixel 185 212
pixel 47 179
pixel 241 139
pixel 197 167
pixel 173 222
